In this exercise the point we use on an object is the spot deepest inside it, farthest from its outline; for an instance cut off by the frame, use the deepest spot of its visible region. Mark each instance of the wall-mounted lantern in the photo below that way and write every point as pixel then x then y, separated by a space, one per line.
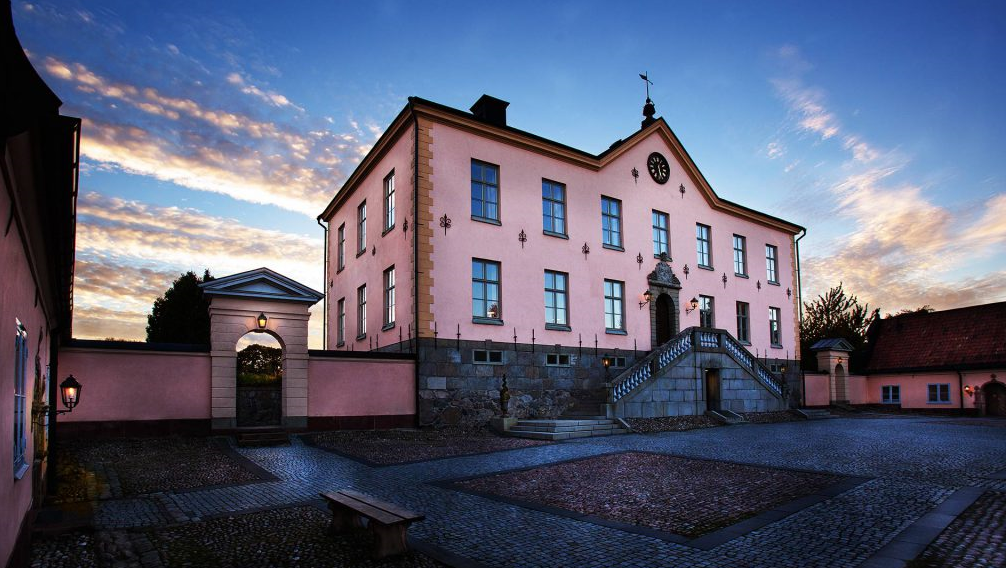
pixel 647 296
pixel 262 320
pixel 694 306
pixel 69 391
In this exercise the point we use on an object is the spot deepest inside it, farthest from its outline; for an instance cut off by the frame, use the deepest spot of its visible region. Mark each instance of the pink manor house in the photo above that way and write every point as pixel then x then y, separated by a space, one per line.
pixel 474 273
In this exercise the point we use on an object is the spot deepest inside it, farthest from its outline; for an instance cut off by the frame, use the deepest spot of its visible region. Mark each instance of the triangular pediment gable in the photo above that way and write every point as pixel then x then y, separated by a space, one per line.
pixel 261 283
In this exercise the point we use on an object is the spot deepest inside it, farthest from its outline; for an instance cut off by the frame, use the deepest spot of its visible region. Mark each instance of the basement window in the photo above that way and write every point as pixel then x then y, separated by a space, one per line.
pixel 487 357
pixel 557 359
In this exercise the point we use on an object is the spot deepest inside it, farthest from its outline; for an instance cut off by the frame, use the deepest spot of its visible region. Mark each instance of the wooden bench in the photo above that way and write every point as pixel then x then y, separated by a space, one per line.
pixel 386 521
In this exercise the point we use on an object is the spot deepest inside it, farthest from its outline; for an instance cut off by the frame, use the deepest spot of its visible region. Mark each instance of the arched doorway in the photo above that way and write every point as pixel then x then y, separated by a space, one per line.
pixel 995 398
pixel 259 380
pixel 841 395
pixel 664 318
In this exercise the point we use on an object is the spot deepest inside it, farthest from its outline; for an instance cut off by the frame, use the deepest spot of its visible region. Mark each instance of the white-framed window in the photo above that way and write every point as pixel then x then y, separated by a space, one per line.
pixel 486 303
pixel 20 399
pixel 389 202
pixel 743 322
pixel 557 359
pixel 553 208
pixel 772 264
pixel 740 255
pixel 341 262
pixel 939 393
pixel 361 228
pixel 661 239
pixel 556 300
pixel 617 362
pixel 707 312
pixel 361 312
pixel 703 238
pixel 614 305
pixel 611 222
pixel 487 357
pixel 774 333
pixel 485 191
pixel 890 394
pixel 389 297
pixel 340 322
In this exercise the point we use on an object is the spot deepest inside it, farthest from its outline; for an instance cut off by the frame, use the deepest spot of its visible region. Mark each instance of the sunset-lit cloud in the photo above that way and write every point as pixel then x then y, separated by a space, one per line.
pixel 900 249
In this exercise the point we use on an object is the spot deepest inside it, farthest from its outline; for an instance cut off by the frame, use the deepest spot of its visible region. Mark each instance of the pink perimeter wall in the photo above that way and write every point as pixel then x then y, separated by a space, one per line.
pixel 520 205
pixel 361 387
pixel 138 385
pixel 914 388
pixel 383 251
pixel 817 391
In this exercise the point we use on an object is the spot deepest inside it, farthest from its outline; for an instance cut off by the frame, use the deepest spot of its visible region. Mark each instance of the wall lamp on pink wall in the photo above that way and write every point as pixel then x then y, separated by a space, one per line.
pixel 69 391
pixel 694 306
pixel 262 320
pixel 647 296
pixel 969 390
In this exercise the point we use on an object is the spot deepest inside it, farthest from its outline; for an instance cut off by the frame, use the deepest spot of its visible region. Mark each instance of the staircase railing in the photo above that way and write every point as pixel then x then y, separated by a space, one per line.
pixel 693 339
pixel 641 372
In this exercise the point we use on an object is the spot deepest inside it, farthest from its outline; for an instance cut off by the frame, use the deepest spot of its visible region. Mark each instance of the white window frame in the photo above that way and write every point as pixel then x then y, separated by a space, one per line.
pixel 487 357
pixel 361 312
pixel 888 392
pixel 744 323
pixel 389 202
pixel 941 390
pixel 486 187
pixel 772 264
pixel 740 255
pixel 488 288
pixel 20 438
pixel 660 223
pixel 556 316
pixel 614 306
pixel 389 297
pixel 341 256
pixel 557 360
pixel 611 223
pixel 556 213
pixel 775 326
pixel 707 311
pixel 340 322
pixel 704 245
pixel 361 228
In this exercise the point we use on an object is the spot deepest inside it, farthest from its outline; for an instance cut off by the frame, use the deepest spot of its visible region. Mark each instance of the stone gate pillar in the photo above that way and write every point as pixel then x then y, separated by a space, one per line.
pixel 236 302
pixel 833 358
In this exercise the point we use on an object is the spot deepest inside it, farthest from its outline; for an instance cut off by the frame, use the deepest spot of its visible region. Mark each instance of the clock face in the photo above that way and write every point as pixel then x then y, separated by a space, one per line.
pixel 660 171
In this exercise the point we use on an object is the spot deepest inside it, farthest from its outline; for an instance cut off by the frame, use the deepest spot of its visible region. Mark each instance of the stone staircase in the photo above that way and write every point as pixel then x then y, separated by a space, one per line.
pixel 815 413
pixel 726 417
pixel 566 428
pixel 262 436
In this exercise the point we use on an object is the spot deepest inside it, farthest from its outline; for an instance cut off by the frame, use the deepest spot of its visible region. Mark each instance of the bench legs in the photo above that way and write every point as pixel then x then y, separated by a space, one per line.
pixel 390 539
pixel 343 520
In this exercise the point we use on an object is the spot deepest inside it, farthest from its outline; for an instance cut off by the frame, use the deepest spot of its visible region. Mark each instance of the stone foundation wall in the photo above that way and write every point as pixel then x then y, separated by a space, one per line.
pixel 455 390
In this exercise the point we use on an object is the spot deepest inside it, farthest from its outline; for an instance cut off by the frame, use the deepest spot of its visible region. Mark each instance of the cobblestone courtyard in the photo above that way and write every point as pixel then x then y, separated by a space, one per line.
pixel 911 478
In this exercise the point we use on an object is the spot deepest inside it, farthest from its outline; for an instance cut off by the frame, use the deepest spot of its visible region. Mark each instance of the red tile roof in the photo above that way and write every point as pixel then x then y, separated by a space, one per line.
pixel 972 337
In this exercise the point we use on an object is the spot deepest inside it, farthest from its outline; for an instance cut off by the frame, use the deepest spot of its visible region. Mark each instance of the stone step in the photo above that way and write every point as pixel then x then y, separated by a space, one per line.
pixel 570 422
pixel 555 436
pixel 253 439
pixel 815 413
pixel 545 428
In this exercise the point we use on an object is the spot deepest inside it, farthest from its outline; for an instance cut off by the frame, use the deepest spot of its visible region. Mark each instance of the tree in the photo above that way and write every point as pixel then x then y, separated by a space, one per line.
pixel 182 314
pixel 260 359
pixel 920 310
pixel 835 315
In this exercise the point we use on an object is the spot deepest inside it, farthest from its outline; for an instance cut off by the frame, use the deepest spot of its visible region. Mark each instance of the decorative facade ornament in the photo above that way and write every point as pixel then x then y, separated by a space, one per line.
pixel 681 188
pixel 585 249
pixel 789 293
pixel 639 260
pixel 724 280
pixel 635 175
pixel 663 275
pixel 522 237
pixel 685 270
pixel 445 222
pixel 405 226
pixel 758 284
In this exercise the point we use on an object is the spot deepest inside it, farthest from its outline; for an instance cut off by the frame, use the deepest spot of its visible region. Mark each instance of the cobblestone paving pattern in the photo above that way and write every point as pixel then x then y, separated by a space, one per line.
pixel 676 495
pixel 976 538
pixel 915 462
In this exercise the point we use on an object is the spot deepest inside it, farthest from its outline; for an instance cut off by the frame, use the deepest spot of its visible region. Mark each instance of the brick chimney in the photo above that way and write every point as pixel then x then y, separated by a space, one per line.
pixel 491 110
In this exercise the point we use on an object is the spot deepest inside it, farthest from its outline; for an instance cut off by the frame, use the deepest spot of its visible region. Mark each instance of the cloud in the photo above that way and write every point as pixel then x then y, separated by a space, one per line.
pixel 270 97
pixel 900 249
pixel 775 150
pixel 180 140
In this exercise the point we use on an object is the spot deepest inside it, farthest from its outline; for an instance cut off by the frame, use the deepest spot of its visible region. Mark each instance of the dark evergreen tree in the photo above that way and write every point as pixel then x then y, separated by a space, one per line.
pixel 182 314
pixel 836 315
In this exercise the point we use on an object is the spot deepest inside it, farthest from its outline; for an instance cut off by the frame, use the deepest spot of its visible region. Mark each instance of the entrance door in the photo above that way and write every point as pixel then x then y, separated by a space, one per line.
pixel 712 381
pixel 664 316
pixel 259 381
pixel 995 399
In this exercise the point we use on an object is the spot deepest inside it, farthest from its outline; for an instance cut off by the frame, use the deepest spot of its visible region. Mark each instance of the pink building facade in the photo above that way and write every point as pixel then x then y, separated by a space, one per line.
pixel 37 204
pixel 516 255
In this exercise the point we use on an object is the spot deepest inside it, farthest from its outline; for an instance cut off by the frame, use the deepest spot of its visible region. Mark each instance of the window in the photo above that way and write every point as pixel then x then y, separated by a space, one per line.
pixel 486 291
pixel 556 300
pixel 614 306
pixel 389 202
pixel 660 238
pixel 487 357
pixel 342 246
pixel 485 192
pixel 702 239
pixel 361 228
pixel 706 318
pixel 611 223
pixel 389 297
pixel 939 393
pixel 740 256
pixel 890 394
pixel 20 399
pixel 553 208
pixel 772 264
pixel 340 322
pixel 774 333
pixel 743 327
pixel 617 362
pixel 361 312
pixel 557 360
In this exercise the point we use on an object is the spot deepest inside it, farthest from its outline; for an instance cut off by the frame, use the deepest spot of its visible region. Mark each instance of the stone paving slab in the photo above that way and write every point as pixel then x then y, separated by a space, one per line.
pixel 914 465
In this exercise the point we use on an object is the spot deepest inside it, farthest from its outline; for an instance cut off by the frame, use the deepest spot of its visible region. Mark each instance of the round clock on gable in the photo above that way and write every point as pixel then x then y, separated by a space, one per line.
pixel 660 170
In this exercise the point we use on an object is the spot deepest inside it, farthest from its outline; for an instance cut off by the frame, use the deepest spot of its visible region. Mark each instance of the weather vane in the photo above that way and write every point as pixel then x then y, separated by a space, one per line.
pixel 648 82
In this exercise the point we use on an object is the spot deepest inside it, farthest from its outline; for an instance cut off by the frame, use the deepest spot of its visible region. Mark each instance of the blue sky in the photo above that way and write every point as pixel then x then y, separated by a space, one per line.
pixel 214 134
